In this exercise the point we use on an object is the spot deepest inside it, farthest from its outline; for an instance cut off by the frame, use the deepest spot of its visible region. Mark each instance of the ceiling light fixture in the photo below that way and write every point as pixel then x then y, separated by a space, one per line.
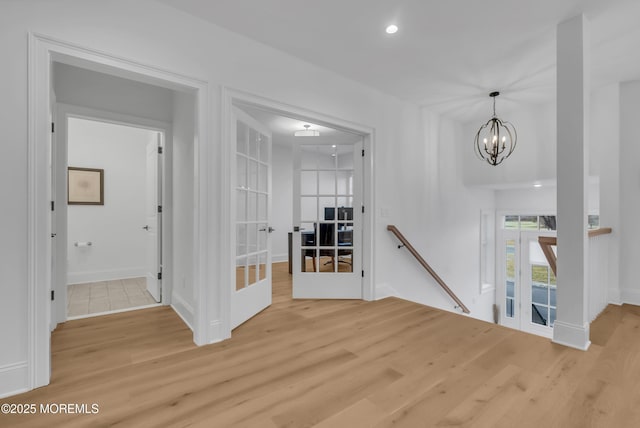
pixel 306 132
pixel 391 29
pixel 496 139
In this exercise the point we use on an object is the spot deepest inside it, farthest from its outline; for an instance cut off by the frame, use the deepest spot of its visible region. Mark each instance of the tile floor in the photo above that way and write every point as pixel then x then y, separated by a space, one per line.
pixel 105 296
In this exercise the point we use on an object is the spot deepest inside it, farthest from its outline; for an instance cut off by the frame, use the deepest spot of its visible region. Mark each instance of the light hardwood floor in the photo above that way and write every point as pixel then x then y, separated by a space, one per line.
pixel 304 363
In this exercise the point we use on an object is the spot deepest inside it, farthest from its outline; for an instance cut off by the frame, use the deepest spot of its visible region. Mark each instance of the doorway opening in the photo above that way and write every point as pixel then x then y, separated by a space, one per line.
pixel 184 217
pixel 276 193
pixel 114 244
pixel 526 291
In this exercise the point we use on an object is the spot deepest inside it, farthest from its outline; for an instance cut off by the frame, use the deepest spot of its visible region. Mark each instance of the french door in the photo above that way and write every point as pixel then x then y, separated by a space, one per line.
pixel 527 289
pixel 327 219
pixel 251 210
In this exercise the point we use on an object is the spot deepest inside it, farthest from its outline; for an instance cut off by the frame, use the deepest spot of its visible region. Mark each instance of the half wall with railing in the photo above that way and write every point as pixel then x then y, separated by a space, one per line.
pixel 598 267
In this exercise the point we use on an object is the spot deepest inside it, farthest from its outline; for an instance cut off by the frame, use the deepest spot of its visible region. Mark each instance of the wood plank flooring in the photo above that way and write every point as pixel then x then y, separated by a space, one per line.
pixel 326 364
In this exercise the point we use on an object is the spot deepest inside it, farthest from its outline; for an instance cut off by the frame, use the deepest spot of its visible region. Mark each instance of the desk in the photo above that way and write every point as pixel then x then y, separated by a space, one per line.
pixel 345 238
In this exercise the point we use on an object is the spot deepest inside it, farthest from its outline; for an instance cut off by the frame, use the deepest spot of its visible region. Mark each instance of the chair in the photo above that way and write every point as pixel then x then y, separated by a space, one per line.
pixel 308 240
pixel 327 239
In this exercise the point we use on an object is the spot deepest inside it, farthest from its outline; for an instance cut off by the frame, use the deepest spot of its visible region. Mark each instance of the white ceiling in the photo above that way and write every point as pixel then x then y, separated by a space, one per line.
pixel 448 54
pixel 282 129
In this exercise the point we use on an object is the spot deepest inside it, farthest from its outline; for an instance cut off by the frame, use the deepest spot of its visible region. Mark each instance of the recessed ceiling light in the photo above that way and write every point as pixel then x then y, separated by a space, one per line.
pixel 391 29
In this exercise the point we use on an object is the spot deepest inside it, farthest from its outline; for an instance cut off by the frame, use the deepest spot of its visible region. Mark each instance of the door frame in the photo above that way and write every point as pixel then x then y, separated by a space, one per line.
pixel 234 97
pixel 517 235
pixel 42 51
pixel 63 113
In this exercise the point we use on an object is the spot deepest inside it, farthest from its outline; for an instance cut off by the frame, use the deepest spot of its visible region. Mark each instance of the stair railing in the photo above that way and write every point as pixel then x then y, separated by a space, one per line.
pixel 414 252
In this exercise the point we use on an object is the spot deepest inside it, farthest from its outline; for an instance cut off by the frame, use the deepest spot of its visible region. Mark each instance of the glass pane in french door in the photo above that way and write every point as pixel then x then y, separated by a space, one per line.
pixel 543 288
pixel 251 205
pixel 326 208
pixel 510 277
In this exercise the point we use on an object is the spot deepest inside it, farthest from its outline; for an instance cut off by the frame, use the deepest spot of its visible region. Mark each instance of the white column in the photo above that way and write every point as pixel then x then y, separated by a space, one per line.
pixel 573 87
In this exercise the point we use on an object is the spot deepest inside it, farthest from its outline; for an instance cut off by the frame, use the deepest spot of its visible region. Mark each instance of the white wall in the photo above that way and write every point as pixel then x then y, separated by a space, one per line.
pixel 436 213
pixel 282 202
pixel 118 247
pixel 183 293
pixel 418 178
pixel 542 200
pixel 629 191
pixel 605 161
pixel 534 158
pixel 80 87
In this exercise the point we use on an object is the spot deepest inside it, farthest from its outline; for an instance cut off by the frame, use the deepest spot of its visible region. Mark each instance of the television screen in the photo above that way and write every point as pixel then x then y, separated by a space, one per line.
pixel 344 213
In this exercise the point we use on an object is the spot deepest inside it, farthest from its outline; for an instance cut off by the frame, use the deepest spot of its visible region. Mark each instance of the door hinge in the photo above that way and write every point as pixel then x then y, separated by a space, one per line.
pixel 159 150
pixel 53 205
pixel 363 274
pixel 362 152
pixel 53 295
pixel 159 208
pixel 159 276
pixel 53 127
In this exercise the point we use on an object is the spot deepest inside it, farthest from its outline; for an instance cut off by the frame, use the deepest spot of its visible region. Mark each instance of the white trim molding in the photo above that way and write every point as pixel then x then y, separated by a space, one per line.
pixel 13 378
pixel 630 297
pixel 183 309
pixel 614 295
pixel 573 336
pixel 105 275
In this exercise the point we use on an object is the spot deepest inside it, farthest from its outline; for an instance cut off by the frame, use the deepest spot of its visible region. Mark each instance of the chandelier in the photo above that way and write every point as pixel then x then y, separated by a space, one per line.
pixel 496 139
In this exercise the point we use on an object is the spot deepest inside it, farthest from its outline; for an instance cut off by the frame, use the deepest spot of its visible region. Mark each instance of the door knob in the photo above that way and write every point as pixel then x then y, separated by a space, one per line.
pixel 145 227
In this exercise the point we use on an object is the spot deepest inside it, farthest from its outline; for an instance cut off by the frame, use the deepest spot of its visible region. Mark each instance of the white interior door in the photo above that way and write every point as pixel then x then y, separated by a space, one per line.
pixel 327 218
pixel 153 218
pixel 251 210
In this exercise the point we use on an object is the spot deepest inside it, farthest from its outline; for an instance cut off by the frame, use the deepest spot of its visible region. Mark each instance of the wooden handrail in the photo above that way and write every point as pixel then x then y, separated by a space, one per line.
pixel 429 269
pixel 546 242
pixel 600 231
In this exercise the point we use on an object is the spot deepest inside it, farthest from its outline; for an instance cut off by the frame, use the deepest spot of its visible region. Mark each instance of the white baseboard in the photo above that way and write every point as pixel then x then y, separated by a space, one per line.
pixel 277 258
pixel 632 297
pixel 13 379
pixel 614 296
pixel 385 290
pixel 183 309
pixel 571 335
pixel 105 275
pixel 215 332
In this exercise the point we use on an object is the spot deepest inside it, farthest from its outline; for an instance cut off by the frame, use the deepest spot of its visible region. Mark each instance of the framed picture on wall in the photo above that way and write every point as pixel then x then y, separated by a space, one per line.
pixel 85 186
